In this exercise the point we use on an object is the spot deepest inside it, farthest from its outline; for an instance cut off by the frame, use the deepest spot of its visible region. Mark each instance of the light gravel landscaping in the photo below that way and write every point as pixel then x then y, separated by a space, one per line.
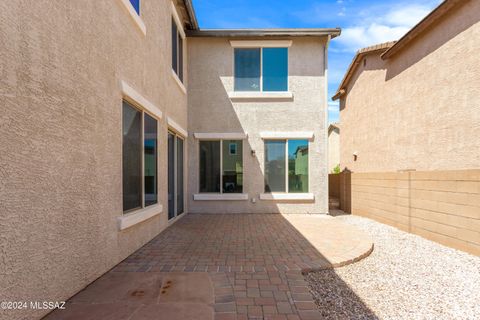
pixel 405 277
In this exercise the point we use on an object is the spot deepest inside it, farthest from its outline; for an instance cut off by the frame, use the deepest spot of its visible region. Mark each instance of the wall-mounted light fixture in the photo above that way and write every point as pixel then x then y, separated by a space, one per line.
pixel 355 155
pixel 253 153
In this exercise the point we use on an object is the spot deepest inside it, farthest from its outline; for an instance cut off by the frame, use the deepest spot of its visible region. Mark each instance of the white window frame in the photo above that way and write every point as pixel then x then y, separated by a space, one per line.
pixel 132 217
pixel 254 44
pixel 182 34
pixel 209 196
pixel 287 186
pixel 177 134
pixel 134 15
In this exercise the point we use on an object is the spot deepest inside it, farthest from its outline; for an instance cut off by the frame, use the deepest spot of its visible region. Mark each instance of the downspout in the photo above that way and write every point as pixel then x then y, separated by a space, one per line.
pixel 325 124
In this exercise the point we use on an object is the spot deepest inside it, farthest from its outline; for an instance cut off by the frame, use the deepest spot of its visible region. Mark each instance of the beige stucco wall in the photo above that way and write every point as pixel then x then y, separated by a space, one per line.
pixel 333 149
pixel 420 109
pixel 211 110
pixel 61 142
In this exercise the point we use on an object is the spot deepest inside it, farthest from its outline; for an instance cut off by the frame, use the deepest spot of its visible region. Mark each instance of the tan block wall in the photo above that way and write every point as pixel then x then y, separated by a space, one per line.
pixel 442 206
pixel 61 139
pixel 211 110
pixel 419 109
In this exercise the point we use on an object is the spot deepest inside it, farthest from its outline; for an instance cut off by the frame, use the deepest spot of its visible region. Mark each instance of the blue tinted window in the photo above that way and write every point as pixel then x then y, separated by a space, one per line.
pixel 247 69
pixel 136 5
pixel 275 69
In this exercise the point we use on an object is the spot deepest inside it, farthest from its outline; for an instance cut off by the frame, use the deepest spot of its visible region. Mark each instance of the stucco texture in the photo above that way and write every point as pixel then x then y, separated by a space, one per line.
pixel 420 109
pixel 211 110
pixel 61 139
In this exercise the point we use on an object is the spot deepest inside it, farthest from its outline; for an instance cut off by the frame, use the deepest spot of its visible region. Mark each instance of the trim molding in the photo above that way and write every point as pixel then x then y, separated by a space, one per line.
pixel 179 82
pixel 135 97
pixel 220 196
pixel 260 95
pixel 288 196
pixel 175 126
pixel 261 43
pixel 224 136
pixel 287 135
pixel 133 218
pixel 135 16
pixel 176 17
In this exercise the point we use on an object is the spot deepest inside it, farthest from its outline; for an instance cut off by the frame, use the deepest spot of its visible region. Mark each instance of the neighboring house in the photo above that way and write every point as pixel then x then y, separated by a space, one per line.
pixel 333 146
pixel 120 116
pixel 414 104
pixel 410 115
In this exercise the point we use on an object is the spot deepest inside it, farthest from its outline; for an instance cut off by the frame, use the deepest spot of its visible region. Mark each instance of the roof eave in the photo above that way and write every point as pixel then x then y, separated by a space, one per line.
pixel 233 33
pixel 191 14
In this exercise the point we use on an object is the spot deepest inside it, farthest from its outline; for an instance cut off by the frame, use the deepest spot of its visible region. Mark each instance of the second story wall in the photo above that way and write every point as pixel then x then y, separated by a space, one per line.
pixel 213 108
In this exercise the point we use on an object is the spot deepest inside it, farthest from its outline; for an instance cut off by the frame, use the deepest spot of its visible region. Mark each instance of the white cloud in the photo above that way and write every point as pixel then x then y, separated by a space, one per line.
pixel 377 27
pixel 354 38
pixel 406 16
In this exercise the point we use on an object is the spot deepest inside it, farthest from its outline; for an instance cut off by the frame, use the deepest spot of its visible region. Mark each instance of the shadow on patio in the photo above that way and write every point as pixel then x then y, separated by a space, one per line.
pixel 236 266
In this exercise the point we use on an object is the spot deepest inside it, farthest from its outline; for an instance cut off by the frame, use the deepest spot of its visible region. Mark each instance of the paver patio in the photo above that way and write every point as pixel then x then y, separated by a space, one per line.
pixel 230 266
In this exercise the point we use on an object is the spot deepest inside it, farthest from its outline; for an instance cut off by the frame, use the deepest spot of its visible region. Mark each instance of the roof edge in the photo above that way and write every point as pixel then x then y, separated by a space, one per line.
pixel 356 61
pixel 436 14
pixel 293 32
pixel 191 14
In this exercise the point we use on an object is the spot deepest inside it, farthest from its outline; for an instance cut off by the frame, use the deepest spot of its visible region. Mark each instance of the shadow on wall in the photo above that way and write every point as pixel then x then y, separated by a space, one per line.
pixel 454 25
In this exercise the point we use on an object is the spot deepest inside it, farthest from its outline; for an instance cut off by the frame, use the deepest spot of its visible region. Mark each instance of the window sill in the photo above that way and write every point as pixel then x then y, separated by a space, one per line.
pixel 220 197
pixel 135 16
pixel 179 82
pixel 288 196
pixel 140 215
pixel 282 95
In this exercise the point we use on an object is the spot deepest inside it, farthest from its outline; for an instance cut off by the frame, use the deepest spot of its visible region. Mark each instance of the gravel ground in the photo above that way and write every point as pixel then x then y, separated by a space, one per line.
pixel 405 277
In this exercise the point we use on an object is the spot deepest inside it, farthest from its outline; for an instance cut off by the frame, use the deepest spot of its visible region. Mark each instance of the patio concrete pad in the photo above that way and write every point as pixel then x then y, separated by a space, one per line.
pixel 175 311
pixel 128 295
pixel 186 287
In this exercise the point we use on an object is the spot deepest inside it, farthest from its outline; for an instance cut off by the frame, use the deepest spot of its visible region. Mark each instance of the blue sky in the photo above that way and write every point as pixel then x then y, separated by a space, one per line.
pixel 363 23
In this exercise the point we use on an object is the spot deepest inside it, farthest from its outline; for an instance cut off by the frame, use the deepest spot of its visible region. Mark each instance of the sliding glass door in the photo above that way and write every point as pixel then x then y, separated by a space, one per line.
pixel 175 175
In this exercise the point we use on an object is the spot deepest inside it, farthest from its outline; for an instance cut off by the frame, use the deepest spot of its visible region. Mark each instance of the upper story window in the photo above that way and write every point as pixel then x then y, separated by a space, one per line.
pixel 261 69
pixel 177 50
pixel 136 5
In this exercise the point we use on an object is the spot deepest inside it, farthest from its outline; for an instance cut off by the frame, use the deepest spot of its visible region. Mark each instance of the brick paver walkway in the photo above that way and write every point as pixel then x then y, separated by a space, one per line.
pixel 255 261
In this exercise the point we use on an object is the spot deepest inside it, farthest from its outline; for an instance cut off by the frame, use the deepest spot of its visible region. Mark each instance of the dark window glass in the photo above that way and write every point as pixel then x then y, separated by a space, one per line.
pixel 247 69
pixel 150 150
pixel 171 176
pixel 232 166
pixel 179 175
pixel 180 57
pixel 275 166
pixel 136 5
pixel 209 166
pixel 297 166
pixel 275 69
pixel 132 157
pixel 174 47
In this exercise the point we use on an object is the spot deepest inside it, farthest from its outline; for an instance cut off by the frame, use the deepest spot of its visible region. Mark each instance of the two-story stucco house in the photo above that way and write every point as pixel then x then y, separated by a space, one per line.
pixel 121 116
